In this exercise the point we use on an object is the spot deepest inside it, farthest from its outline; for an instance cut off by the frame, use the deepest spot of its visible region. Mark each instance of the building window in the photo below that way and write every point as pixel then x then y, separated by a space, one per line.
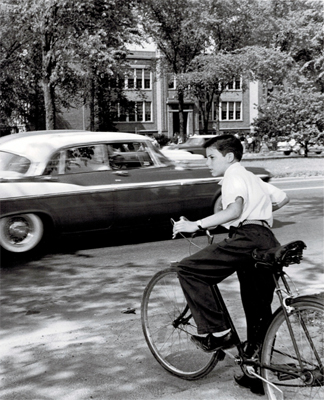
pixel 130 83
pixel 172 84
pixel 231 110
pixel 139 78
pixel 148 111
pixel 139 111
pixel 238 110
pixel 147 79
pixel 135 112
pixel 236 84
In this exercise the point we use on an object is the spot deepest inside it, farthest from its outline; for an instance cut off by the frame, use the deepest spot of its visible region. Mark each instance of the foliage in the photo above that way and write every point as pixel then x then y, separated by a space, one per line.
pixel 20 93
pixel 264 41
pixel 74 42
pixel 297 111
pixel 208 79
pixel 231 24
pixel 295 27
pixel 176 27
pixel 100 56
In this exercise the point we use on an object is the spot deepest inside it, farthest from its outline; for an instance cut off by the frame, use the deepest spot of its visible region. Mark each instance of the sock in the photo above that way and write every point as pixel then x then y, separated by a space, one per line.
pixel 220 334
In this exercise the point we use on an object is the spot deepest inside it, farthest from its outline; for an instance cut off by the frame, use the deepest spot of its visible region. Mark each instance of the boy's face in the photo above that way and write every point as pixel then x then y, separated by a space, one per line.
pixel 216 162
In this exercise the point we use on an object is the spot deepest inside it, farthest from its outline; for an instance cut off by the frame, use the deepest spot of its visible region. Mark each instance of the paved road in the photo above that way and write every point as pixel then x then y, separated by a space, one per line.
pixel 64 334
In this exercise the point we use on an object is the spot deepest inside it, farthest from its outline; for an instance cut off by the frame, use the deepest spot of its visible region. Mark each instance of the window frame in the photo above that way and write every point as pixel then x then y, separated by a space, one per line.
pixel 234 111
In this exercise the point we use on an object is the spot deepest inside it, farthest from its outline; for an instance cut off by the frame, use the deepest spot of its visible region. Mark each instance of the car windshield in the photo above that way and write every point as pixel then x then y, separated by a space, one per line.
pixel 13 163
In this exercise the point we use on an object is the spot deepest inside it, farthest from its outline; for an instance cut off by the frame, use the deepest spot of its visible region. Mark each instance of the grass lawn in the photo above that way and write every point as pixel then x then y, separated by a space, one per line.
pixel 290 166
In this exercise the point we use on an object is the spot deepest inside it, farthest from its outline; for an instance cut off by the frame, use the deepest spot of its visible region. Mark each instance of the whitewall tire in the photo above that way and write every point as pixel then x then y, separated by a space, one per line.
pixel 20 233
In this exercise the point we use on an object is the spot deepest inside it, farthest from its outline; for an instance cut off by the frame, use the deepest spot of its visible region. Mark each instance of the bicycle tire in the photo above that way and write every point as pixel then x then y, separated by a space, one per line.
pixel 278 352
pixel 162 303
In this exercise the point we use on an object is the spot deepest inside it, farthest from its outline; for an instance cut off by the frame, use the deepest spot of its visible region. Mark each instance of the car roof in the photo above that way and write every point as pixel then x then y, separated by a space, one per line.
pixel 40 144
pixel 201 136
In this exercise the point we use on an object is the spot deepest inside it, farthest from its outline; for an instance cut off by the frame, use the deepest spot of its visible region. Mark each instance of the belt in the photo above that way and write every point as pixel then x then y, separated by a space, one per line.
pixel 255 222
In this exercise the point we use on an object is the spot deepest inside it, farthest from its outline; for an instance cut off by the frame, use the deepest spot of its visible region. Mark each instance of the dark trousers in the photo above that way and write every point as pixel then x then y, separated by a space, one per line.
pixel 218 261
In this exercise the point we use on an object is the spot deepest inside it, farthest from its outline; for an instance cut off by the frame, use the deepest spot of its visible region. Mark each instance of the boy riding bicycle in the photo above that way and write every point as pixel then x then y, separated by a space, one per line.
pixel 248 203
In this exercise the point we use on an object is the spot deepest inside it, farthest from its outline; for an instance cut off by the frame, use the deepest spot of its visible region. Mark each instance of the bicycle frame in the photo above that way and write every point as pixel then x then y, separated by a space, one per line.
pixel 242 360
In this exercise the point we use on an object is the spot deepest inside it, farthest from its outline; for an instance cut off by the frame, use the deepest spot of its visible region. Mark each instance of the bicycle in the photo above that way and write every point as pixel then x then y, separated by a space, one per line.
pixel 290 358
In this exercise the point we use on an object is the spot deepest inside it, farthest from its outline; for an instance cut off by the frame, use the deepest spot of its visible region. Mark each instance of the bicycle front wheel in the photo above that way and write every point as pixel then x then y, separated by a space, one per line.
pixel 168 325
pixel 298 376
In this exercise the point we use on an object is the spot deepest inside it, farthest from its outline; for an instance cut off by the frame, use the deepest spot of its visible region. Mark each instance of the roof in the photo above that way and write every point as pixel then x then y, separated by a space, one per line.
pixel 202 136
pixel 42 143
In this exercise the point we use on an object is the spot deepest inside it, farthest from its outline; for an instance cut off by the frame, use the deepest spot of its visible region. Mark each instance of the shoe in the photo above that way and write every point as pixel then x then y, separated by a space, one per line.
pixel 254 384
pixel 210 343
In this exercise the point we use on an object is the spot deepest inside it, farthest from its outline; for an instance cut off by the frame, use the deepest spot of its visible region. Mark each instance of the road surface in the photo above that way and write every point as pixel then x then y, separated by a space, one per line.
pixel 64 335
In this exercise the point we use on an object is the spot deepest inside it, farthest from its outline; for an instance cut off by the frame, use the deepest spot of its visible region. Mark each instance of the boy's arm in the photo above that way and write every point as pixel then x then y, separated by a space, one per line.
pixel 278 197
pixel 276 206
pixel 233 211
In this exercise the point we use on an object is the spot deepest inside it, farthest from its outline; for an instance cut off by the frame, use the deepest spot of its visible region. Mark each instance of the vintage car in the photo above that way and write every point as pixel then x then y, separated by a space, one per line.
pixel 76 181
pixel 297 147
pixel 193 145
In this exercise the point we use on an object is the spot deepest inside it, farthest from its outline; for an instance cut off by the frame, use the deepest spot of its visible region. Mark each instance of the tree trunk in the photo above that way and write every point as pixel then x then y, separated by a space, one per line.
pixel 48 65
pixel 182 127
pixel 49 104
pixel 216 124
pixel 92 105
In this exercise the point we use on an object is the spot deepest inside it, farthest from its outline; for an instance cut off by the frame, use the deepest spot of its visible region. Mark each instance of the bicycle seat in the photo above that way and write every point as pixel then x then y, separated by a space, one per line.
pixel 290 253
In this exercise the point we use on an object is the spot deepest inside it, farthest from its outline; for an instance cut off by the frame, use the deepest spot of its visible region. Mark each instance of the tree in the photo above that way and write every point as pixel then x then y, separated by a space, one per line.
pixel 209 77
pixel 297 111
pixel 176 27
pixel 295 27
pixel 212 73
pixel 231 24
pixel 100 57
pixel 75 42
pixel 20 92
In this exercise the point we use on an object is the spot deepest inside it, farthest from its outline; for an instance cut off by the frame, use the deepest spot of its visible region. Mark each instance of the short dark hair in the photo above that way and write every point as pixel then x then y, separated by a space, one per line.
pixel 226 144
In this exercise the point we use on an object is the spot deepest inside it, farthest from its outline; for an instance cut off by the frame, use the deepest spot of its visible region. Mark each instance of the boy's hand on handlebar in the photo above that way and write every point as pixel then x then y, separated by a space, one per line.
pixel 184 225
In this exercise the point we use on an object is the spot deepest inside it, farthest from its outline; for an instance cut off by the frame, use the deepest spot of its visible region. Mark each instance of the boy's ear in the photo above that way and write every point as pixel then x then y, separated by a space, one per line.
pixel 229 157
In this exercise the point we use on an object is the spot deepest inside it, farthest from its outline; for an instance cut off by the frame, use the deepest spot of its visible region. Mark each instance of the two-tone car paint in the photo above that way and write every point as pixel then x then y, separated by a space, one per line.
pixel 105 198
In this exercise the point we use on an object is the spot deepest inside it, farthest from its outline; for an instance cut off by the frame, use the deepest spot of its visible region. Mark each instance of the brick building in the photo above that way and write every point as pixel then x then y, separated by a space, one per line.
pixel 154 107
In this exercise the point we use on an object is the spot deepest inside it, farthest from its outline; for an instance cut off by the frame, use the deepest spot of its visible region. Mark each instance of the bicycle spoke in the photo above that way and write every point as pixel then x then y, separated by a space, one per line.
pixel 301 377
pixel 168 326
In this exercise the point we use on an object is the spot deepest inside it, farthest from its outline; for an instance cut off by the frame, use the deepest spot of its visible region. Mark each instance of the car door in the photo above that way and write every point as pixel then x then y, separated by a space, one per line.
pixel 147 193
pixel 90 205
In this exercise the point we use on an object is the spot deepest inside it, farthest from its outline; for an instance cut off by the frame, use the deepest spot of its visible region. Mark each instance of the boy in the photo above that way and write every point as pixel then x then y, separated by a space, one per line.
pixel 247 203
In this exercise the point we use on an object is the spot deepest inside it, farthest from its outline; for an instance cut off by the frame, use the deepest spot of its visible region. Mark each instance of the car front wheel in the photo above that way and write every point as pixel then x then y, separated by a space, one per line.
pixel 20 233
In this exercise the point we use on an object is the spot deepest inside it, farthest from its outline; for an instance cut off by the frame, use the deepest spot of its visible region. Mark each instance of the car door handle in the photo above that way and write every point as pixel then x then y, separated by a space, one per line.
pixel 121 173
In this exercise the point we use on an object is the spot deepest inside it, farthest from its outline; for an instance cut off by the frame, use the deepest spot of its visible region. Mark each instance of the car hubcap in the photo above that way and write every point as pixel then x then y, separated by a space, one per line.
pixel 18 230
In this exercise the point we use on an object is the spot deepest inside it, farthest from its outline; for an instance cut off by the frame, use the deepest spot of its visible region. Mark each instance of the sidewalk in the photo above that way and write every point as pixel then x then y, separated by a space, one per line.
pixel 273 155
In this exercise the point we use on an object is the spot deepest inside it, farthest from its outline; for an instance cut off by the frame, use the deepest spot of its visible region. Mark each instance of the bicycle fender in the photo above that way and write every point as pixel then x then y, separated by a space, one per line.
pixel 316 297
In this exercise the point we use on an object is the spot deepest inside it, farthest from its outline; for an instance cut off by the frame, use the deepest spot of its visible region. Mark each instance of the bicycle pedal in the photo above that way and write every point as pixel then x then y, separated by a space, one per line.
pixel 221 355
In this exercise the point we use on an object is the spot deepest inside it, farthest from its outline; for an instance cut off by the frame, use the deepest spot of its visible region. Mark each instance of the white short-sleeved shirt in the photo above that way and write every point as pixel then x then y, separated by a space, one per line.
pixel 258 196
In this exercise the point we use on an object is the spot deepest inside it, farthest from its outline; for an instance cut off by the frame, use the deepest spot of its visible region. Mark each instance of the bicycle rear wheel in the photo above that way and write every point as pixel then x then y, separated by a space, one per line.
pixel 278 352
pixel 168 325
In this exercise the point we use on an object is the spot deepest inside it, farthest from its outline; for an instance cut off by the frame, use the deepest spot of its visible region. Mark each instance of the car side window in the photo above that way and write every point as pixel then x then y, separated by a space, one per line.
pixel 78 159
pixel 85 159
pixel 127 155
